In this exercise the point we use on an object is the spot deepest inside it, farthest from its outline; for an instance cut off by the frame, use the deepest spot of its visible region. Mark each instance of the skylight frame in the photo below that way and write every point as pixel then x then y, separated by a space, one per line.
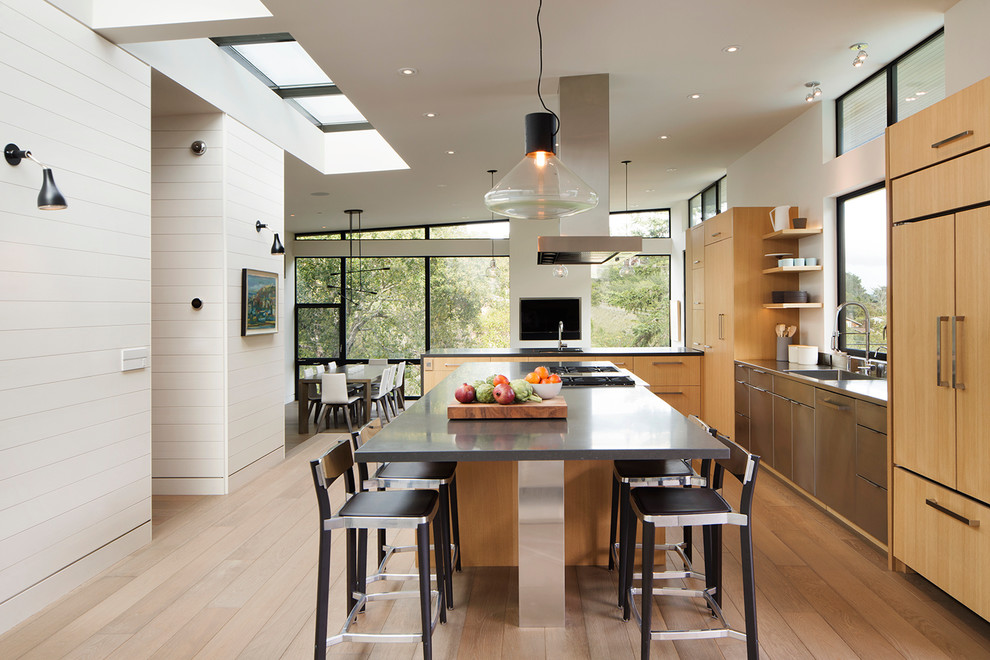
pixel 289 92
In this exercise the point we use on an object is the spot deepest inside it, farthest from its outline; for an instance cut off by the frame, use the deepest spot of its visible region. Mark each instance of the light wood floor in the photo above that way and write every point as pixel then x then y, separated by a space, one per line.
pixel 235 576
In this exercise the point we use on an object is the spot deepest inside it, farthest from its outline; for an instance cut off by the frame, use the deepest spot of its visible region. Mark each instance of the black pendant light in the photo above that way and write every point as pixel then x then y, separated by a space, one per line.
pixel 50 197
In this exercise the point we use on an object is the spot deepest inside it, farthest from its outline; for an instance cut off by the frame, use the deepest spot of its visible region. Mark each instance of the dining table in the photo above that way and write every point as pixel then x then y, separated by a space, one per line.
pixel 601 424
pixel 357 374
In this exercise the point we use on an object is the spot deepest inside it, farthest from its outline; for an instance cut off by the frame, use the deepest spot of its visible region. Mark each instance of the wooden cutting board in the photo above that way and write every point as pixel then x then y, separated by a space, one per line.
pixel 548 408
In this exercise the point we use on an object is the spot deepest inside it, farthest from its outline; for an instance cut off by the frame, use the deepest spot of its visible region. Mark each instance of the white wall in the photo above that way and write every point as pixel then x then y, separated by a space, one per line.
pixel 218 402
pixel 75 432
pixel 253 190
pixel 188 415
pixel 967 49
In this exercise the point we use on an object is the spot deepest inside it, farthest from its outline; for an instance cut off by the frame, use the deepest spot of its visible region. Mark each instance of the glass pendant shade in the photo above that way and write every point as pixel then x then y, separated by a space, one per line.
pixel 492 270
pixel 540 187
pixel 560 270
pixel 50 198
pixel 626 269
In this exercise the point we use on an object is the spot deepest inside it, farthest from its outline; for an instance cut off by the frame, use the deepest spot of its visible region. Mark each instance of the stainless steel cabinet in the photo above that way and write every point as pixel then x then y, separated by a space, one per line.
pixel 803 441
pixel 761 424
pixel 835 451
pixel 782 436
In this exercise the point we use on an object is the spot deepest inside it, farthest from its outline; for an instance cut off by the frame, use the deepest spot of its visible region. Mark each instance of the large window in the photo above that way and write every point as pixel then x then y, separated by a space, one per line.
pixel 654 223
pixel 632 309
pixel 912 82
pixel 468 309
pixel 862 267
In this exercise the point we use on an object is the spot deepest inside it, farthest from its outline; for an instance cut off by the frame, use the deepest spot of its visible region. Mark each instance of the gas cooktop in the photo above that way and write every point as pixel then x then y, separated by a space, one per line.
pixel 596 381
pixel 566 369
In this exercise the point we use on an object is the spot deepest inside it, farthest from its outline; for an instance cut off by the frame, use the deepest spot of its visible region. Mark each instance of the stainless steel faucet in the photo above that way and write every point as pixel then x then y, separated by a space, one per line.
pixel 560 336
pixel 837 333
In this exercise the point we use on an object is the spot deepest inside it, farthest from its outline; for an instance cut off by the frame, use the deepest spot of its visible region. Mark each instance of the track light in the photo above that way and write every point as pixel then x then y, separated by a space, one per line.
pixel 49 198
pixel 277 247
pixel 815 90
pixel 861 54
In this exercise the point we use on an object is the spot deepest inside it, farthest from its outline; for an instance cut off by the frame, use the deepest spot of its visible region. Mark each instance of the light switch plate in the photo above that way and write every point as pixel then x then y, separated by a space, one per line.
pixel 132 359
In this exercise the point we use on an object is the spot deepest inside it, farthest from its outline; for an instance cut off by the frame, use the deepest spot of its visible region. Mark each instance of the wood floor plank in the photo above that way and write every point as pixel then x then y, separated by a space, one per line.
pixel 571 641
pixel 486 621
pixel 193 636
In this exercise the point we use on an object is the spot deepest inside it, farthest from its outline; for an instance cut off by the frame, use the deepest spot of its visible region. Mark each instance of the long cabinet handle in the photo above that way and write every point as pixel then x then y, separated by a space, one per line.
pixel 670 392
pixel 661 364
pixel 955 352
pixel 697 261
pixel 718 233
pixel 949 512
pixel 938 351
pixel 957 136
pixel 705 346
pixel 836 406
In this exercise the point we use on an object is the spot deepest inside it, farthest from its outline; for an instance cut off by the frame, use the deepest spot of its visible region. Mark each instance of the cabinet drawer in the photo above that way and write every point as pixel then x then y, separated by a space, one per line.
pixel 761 379
pixel 443 363
pixel 871 509
pixel 944 187
pixel 871 455
pixel 673 370
pixel 621 361
pixel 871 416
pixel 742 431
pixel 685 399
pixel 793 390
pixel 698 329
pixel 742 399
pixel 697 238
pixel 940 543
pixel 926 138
pixel 742 373
pixel 718 228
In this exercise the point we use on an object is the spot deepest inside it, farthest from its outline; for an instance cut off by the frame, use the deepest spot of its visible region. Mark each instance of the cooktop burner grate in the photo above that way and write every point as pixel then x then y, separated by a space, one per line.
pixel 597 381
pixel 568 369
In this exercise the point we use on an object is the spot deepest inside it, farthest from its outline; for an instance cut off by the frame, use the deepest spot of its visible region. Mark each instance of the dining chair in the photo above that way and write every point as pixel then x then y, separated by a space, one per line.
pixel 398 387
pixel 668 473
pixel 380 391
pixel 312 395
pixel 362 511
pixel 433 475
pixel 334 396
pixel 677 507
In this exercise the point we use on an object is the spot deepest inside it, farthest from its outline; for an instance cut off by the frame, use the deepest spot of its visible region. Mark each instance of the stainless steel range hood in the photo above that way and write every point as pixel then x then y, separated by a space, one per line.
pixel 586 249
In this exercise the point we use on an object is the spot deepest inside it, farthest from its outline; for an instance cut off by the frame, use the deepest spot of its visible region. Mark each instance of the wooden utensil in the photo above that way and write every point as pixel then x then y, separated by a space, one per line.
pixel 791 330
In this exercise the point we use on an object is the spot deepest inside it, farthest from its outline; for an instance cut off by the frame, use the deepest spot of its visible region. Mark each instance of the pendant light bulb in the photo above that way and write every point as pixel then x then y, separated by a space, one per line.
pixel 626 269
pixel 492 270
pixel 540 187
pixel 560 271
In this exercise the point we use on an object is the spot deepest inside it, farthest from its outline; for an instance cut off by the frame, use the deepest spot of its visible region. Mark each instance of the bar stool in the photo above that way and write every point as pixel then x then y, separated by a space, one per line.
pixel 678 507
pixel 668 473
pixel 411 509
pixel 438 476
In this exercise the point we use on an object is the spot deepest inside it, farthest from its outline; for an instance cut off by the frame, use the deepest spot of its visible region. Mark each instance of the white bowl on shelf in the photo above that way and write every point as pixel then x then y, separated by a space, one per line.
pixel 547 390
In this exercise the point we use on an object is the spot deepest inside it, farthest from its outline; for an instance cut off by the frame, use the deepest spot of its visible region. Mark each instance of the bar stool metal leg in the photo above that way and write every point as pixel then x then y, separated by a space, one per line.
pixel 455 522
pixel 612 523
pixel 423 550
pixel 322 596
pixel 646 628
pixel 625 567
pixel 443 519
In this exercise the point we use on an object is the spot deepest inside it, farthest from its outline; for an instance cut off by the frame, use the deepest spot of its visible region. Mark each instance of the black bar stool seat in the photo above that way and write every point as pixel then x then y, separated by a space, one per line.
pixel 407 504
pixel 671 467
pixel 678 502
pixel 416 471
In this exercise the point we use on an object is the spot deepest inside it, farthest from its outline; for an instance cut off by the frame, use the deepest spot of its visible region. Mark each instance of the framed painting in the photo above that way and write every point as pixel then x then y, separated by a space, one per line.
pixel 259 302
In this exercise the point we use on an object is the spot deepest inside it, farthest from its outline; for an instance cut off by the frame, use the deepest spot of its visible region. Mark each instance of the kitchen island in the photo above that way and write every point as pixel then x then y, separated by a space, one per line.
pixel 536 493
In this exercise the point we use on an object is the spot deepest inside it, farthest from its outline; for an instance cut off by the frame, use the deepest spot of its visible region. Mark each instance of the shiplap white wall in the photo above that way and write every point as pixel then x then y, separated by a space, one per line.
pixel 218 412
pixel 253 190
pixel 187 241
pixel 75 432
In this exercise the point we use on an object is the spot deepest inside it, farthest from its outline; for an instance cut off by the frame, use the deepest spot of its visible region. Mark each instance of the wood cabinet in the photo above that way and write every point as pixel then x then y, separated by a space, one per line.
pixel 939 333
pixel 735 323
pixel 835 451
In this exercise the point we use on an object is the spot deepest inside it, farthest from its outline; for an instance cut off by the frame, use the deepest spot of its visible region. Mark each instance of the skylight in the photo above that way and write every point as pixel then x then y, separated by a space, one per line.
pixel 286 68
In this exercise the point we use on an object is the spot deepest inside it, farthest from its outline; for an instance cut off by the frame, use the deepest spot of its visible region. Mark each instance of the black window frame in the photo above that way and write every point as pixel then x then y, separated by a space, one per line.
pixel 716 187
pixel 890 70
pixel 840 260
pixel 663 208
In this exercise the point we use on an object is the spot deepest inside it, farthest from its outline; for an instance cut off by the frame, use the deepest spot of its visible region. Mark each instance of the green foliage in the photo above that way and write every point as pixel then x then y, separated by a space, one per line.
pixel 633 310
pixel 875 301
pixel 467 308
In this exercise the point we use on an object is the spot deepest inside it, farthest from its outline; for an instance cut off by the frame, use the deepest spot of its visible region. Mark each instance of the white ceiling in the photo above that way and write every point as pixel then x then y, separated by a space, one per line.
pixel 478 65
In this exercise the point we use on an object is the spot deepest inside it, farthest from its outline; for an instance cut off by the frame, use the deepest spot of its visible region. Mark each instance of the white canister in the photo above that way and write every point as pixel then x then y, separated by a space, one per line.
pixel 801 354
pixel 780 217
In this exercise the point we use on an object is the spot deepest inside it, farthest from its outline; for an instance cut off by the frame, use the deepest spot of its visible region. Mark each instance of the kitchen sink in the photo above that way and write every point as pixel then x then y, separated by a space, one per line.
pixel 550 350
pixel 831 374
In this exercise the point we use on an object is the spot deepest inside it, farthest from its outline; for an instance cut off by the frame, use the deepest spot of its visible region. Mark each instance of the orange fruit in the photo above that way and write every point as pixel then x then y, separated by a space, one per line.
pixel 554 378
pixel 531 377
pixel 499 380
pixel 542 372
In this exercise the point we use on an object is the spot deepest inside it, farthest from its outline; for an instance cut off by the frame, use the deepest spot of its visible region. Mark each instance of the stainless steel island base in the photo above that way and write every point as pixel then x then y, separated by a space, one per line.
pixel 541 544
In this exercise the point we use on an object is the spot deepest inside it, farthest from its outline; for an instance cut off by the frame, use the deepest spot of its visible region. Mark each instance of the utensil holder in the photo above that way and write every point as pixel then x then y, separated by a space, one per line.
pixel 782 344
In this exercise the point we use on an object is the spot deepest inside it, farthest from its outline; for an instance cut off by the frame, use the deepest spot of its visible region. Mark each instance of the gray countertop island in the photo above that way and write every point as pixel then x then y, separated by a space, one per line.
pixel 602 424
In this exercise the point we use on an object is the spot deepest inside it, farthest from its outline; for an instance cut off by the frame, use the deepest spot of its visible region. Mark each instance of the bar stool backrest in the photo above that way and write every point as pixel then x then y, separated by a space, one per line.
pixel 388 376
pixel 334 388
pixel 378 361
pixel 331 366
pixel 400 371
pixel 336 462
pixel 743 466
pixel 320 369
pixel 309 372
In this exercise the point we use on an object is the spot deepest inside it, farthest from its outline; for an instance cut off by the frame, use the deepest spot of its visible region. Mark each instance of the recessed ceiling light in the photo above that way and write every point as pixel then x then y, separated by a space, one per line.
pixel 430 115
pixel 650 190
pixel 320 194
pixel 408 71
pixel 671 169
pixel 323 227
pixel 694 96
pixel 662 137
pixel 441 185
pixel 450 152
pixel 292 215
pixel 319 213
pixel 732 49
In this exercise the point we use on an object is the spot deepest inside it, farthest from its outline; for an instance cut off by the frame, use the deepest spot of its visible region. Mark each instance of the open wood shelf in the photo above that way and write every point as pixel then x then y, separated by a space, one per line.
pixel 791 269
pixel 785 234
pixel 792 305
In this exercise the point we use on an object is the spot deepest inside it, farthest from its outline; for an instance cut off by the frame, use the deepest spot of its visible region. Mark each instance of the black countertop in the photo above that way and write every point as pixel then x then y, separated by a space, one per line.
pixel 522 352
pixel 604 423
pixel 873 390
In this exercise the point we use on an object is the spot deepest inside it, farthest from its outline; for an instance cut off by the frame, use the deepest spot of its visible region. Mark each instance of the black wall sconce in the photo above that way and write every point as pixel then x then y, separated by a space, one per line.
pixel 50 198
pixel 198 147
pixel 196 303
pixel 276 244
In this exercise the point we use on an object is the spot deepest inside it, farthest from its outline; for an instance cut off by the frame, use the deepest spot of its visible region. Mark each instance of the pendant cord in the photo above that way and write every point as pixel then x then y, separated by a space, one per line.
pixel 626 163
pixel 539 80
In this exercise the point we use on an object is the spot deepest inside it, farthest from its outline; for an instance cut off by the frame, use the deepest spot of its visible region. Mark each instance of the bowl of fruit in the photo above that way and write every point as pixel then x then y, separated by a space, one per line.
pixel 545 384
